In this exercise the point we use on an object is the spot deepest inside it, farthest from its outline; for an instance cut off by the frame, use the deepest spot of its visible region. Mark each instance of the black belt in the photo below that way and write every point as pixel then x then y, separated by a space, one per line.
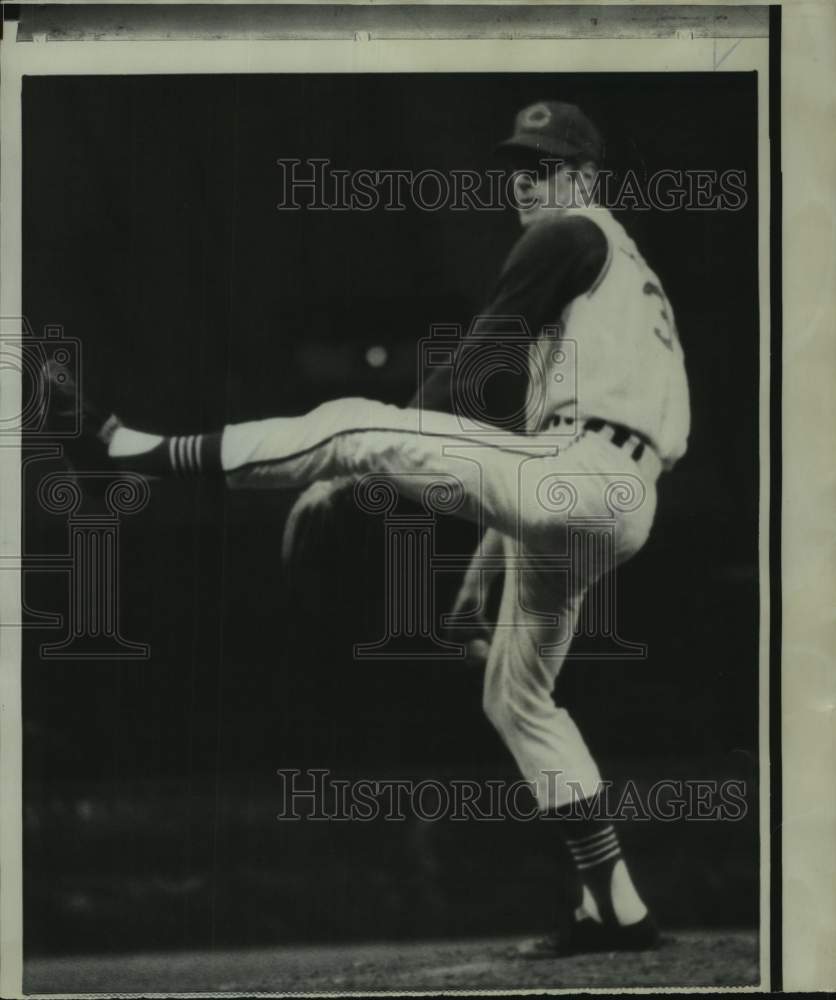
pixel 618 434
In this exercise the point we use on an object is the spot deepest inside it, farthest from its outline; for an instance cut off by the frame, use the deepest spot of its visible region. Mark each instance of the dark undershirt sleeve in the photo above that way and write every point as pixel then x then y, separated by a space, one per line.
pixel 552 263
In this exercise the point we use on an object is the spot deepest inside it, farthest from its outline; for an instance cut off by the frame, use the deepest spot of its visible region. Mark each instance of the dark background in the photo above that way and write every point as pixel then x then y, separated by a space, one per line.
pixel 151 234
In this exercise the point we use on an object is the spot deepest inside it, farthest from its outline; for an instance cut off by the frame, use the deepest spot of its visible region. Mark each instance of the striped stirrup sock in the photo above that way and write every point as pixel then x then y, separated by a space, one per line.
pixel 187 453
pixel 595 851
pixel 605 892
pixel 184 455
pixel 595 848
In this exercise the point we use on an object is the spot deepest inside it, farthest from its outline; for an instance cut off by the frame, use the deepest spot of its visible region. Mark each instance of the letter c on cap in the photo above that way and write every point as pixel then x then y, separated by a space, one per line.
pixel 537 116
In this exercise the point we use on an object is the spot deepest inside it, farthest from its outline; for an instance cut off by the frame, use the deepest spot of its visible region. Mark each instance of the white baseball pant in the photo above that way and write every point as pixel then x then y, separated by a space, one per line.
pixel 555 499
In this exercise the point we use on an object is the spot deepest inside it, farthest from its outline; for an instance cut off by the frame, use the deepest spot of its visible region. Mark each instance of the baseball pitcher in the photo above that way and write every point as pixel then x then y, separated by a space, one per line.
pixel 573 470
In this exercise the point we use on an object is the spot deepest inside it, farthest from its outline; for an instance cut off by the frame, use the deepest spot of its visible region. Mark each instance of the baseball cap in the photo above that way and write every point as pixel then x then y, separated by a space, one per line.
pixel 553 128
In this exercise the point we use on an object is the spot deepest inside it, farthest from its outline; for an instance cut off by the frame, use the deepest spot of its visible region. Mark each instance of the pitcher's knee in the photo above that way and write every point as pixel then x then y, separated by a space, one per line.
pixel 338 414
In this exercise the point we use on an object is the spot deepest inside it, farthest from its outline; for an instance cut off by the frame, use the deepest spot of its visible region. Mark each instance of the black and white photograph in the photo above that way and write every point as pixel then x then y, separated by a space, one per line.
pixel 398 505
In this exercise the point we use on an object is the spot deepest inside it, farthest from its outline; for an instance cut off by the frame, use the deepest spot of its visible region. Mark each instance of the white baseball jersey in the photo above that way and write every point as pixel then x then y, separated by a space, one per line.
pixel 618 357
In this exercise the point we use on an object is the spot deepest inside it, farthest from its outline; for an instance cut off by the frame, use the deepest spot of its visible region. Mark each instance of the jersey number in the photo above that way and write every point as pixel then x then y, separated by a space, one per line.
pixel 665 331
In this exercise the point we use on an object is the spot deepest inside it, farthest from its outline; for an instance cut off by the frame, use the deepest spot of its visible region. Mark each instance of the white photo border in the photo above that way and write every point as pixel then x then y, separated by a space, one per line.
pixel 361 55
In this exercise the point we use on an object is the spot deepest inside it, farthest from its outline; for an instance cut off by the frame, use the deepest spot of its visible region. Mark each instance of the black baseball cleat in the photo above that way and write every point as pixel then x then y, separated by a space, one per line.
pixel 85 430
pixel 582 937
